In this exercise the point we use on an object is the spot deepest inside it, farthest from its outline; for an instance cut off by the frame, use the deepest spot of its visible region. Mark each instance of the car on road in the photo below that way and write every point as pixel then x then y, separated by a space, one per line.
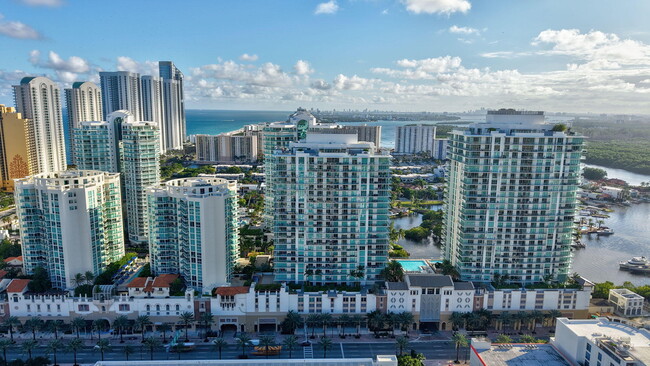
pixel 254 342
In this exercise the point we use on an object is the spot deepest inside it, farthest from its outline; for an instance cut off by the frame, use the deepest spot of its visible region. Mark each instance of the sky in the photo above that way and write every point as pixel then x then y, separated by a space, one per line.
pixel 406 55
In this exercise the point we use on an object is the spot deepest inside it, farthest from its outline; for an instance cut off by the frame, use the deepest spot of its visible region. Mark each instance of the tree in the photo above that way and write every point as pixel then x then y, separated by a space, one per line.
pixel 219 344
pixel 74 346
pixel 393 272
pixel 326 344
pixel 128 350
pixel 359 273
pixel 554 314
pixel 40 282
pixel 393 320
pixel 404 320
pixel 527 338
pixel 376 321
pixel 78 280
pixel 312 321
pixel 401 343
pixel 459 341
pixel 206 319
pixel 98 325
pixel 343 321
pixel 267 341
pixel 78 323
pixel 290 343
pixel 53 347
pixel 103 345
pixel 457 320
pixel 28 347
pixel 503 338
pixel 141 323
pixel 410 360
pixel 357 319
pixel 33 325
pixel 4 345
pixel 594 173
pixel 187 319
pixel 449 269
pixel 560 127
pixel 119 324
pixel 54 327
pixel 164 328
pixel 291 322
pixel 601 290
pixel 152 343
pixel 325 320
pixel 90 277
pixel 11 322
pixel 242 340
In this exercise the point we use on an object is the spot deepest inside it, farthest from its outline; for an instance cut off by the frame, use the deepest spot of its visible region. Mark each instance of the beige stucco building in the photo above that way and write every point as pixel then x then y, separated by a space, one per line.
pixel 15 146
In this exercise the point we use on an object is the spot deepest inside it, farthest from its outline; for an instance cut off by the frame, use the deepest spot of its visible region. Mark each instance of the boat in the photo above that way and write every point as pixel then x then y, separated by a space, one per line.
pixel 636 264
pixel 604 231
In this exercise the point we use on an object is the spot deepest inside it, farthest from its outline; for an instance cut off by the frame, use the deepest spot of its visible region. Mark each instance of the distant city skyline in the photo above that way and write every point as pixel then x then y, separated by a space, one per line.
pixel 402 55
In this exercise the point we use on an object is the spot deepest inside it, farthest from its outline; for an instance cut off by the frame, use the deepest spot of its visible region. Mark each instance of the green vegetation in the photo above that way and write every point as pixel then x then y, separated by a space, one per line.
pixel 9 249
pixel 411 360
pixel 397 251
pixel 6 200
pixel 40 282
pixel 629 155
pixel 271 287
pixel 594 173
pixel 177 288
pixel 560 127
pixel 601 290
pixel 106 277
pixel 145 271
pixel 417 233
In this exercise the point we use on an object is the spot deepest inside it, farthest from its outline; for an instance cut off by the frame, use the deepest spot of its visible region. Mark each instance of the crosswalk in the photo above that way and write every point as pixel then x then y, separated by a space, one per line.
pixel 308 352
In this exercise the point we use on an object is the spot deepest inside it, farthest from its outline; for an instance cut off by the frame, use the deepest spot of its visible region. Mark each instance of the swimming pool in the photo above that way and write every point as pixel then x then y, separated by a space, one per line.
pixel 412 265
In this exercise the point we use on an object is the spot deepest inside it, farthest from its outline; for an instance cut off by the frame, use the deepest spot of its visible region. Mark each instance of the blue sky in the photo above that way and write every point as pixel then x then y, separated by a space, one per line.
pixel 435 55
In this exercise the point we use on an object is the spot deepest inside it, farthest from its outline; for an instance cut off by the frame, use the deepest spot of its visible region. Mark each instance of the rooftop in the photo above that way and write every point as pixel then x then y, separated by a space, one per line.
pixel 521 355
pixel 17 285
pixel 429 280
pixel 231 291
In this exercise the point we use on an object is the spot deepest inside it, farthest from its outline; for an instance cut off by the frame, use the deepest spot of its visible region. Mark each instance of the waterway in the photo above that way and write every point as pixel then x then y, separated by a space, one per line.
pixel 634 179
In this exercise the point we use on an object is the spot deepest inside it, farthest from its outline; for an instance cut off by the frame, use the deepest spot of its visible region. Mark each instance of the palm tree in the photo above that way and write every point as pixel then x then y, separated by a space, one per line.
pixel 187 319
pixel 243 339
pixel 343 321
pixel 33 324
pixel 164 328
pixel 28 346
pixel 357 319
pixel 54 327
pixel 78 280
pixel 141 323
pixel 457 320
pixel 527 338
pixel 505 318
pixel 393 272
pixel 326 344
pixel 292 321
pixel 392 320
pixel 11 322
pixel 537 317
pixel 312 321
pixel 459 341
pixel 554 314
pixel 120 323
pixel 98 324
pixel 405 320
pixel 90 277
pixel 290 343
pixel 128 350
pixel 219 344
pixel 152 343
pixel 4 345
pixel 325 320
pixel 103 345
pixel 78 323
pixel 376 321
pixel 207 319
pixel 401 343
pixel 53 347
pixel 267 341
pixel 503 338
pixel 75 345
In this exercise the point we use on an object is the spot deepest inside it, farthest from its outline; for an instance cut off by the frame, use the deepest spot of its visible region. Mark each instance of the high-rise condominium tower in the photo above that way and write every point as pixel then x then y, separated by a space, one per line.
pixel 331 196
pixel 70 223
pixel 15 147
pixel 174 104
pixel 511 198
pixel 415 139
pixel 153 104
pixel 39 100
pixel 122 90
pixel 84 103
pixel 132 148
pixel 193 230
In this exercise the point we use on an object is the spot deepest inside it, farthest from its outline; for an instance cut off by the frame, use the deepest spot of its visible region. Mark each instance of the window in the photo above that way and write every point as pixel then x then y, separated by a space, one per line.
pixel 84 307
pixel 124 307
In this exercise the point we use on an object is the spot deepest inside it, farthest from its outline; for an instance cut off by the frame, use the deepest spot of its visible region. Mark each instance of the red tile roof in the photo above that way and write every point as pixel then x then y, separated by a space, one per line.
pixel 19 258
pixel 137 282
pixel 231 291
pixel 17 285
pixel 164 280
pixel 3 273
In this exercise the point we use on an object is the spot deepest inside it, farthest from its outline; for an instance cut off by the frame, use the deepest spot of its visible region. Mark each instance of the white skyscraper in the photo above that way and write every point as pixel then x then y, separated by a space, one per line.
pixel 121 90
pixel 39 100
pixel 84 103
pixel 173 126
pixel 70 223
pixel 331 200
pixel 511 198
pixel 415 139
pixel 193 230
pixel 152 104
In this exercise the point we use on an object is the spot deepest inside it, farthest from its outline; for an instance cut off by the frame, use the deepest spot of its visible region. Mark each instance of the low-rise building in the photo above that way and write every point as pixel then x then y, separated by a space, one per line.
pixel 626 302
pixel 485 353
pixel 600 342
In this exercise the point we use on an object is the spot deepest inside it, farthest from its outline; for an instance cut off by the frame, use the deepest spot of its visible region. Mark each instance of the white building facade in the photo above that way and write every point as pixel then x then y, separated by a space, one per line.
pixel 121 90
pixel 415 139
pixel 173 126
pixel 84 103
pixel 70 222
pixel 39 100
pixel 193 230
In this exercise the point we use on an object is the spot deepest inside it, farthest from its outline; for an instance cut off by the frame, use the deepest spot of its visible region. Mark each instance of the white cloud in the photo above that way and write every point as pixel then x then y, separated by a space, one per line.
pixel 329 7
pixel 437 6
pixel 384 12
pixel 74 64
pixel 51 3
pixel 302 68
pixel 354 82
pixel 247 57
pixel 463 30
pixel 125 63
pixel 18 30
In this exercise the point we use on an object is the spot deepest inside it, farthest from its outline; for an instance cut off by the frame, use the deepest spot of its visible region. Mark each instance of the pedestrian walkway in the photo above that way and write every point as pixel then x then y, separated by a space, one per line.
pixel 308 352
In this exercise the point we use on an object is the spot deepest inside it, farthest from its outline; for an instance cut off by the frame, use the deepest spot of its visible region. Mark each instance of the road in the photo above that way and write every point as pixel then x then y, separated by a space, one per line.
pixel 441 350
